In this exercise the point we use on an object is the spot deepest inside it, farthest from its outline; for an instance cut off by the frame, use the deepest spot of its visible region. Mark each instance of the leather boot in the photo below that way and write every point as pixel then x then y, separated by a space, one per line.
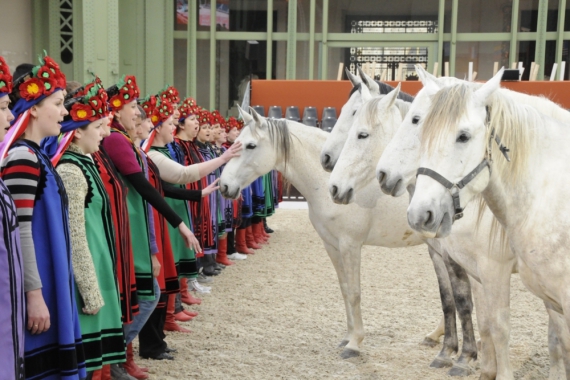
pixel 265 229
pixel 106 372
pixel 257 235
pixel 183 317
pixel 249 238
pixel 170 323
pixel 131 367
pixel 190 313
pixel 241 245
pixel 96 374
pixel 222 255
pixel 185 296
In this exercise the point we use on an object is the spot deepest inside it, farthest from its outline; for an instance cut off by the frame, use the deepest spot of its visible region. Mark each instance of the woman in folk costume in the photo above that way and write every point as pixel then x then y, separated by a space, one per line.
pixel 53 346
pixel 11 261
pixel 91 224
pixel 185 151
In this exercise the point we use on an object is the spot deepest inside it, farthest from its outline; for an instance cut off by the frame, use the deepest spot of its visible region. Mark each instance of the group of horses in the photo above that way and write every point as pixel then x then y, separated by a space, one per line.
pixel 456 143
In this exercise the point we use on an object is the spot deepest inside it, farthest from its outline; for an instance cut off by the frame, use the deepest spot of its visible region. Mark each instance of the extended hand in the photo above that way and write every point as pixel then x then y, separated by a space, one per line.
pixel 233 151
pixel 189 238
pixel 38 313
pixel 211 188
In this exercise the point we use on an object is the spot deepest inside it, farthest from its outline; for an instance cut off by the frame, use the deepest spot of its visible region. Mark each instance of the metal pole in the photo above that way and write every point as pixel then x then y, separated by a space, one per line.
pixel 541 36
pixel 212 55
pixel 269 56
pixel 324 50
pixel 453 45
pixel 292 40
pixel 440 22
pixel 514 30
pixel 312 40
pixel 191 47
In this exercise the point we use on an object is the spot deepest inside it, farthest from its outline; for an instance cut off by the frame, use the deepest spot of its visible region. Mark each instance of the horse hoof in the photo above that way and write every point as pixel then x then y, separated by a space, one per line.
pixel 348 353
pixel 343 343
pixel 429 342
pixel 460 370
pixel 441 363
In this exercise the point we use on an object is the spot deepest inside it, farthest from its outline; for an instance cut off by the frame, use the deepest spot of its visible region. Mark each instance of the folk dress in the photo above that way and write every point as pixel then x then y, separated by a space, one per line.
pixel 42 206
pixel 94 256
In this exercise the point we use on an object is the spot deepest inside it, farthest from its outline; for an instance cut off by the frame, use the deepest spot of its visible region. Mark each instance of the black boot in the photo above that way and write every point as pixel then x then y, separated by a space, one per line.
pixel 209 265
pixel 266 227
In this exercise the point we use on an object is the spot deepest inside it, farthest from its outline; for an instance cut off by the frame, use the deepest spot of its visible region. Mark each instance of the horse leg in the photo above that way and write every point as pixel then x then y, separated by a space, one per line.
pixel 350 258
pixel 559 324
pixel 557 368
pixel 334 255
pixel 464 306
pixel 432 339
pixel 450 343
pixel 496 282
pixel 488 360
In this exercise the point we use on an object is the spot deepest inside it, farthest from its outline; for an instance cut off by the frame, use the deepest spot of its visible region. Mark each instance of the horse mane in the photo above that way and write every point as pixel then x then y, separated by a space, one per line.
pixel 384 89
pixel 369 114
pixel 279 135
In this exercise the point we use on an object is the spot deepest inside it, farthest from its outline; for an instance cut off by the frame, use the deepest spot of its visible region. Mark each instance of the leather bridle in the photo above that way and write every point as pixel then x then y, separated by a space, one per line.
pixel 454 188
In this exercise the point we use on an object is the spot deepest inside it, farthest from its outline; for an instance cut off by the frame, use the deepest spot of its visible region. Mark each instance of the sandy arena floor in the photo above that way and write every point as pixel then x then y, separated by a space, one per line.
pixel 280 315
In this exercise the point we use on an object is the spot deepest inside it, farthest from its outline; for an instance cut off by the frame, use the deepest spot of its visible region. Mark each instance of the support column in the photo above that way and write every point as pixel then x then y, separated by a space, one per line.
pixel 292 40
pixel 453 45
pixel 213 6
pixel 269 55
pixel 541 37
pixel 312 40
pixel 514 30
pixel 191 49
pixel 324 48
pixel 560 35
pixel 440 25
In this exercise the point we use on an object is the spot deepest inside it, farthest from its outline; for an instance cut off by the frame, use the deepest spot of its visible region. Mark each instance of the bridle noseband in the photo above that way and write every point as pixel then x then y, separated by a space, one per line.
pixel 454 188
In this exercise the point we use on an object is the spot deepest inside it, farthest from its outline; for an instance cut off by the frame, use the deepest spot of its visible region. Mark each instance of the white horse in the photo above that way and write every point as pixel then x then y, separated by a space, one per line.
pixel 458 108
pixel 293 149
pixel 447 272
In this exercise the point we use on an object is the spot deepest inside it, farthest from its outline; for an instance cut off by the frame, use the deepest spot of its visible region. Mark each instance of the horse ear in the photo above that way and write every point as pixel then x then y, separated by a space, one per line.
pixel 369 82
pixel 244 115
pixel 256 117
pixel 489 87
pixel 365 94
pixel 426 78
pixel 389 99
pixel 352 78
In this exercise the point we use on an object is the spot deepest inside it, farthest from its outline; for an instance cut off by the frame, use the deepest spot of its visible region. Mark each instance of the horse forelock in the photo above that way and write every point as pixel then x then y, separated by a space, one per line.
pixel 280 137
pixel 370 115
pixel 447 107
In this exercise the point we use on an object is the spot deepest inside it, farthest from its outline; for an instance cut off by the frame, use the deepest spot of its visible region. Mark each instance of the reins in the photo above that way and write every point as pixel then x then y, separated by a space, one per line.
pixel 454 188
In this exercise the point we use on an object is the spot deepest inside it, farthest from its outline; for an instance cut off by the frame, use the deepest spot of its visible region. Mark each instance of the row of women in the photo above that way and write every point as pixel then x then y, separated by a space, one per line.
pixel 110 214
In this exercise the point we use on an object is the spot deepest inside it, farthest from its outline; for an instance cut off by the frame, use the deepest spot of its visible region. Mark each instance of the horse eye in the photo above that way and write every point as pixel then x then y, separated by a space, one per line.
pixel 250 146
pixel 362 135
pixel 463 138
pixel 415 119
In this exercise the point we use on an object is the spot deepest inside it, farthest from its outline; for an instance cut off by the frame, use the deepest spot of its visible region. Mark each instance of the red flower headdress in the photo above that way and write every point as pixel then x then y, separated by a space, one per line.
pixel 240 124
pixel 231 124
pixel 5 78
pixel 148 104
pixel 123 92
pixel 90 104
pixel 169 94
pixel 204 117
pixel 161 113
pixel 187 108
pixel 44 80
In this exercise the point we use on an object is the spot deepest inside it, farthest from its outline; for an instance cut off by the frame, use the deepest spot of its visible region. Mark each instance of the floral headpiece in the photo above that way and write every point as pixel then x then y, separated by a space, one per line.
pixel 123 92
pixel 161 113
pixel 169 94
pixel 217 118
pixel 204 117
pixel 231 124
pixel 240 124
pixel 187 108
pixel 5 78
pixel 87 104
pixel 148 104
pixel 36 85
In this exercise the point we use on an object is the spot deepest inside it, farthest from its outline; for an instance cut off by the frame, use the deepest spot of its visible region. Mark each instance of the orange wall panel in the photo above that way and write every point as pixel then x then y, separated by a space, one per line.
pixel 320 94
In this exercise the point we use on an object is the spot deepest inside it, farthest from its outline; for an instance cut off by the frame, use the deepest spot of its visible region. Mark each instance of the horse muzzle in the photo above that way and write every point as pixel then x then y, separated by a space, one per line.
pixel 229 192
pixel 430 221
pixel 341 196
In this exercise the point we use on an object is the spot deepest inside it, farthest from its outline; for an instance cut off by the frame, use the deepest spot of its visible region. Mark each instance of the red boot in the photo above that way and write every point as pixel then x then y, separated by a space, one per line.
pixel 222 255
pixel 97 374
pixel 241 245
pixel 257 235
pixel 106 372
pixel 185 296
pixel 250 239
pixel 131 367
pixel 190 313
pixel 170 323
pixel 183 317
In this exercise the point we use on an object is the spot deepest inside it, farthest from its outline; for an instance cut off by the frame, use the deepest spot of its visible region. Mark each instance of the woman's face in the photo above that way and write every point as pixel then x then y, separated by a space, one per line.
pixel 166 130
pixel 175 115
pixel 204 133
pixel 49 113
pixel 106 127
pixel 192 126
pixel 6 116
pixel 89 138
pixel 128 115
pixel 222 136
pixel 233 134
pixel 216 132
pixel 143 129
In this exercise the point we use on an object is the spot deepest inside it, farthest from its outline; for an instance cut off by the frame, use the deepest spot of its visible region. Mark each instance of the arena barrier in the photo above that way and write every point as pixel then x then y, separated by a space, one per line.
pixel 320 94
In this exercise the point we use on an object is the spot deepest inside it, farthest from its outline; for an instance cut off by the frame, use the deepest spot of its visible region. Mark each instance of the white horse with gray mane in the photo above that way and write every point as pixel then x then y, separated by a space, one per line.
pixel 467 114
pixel 293 149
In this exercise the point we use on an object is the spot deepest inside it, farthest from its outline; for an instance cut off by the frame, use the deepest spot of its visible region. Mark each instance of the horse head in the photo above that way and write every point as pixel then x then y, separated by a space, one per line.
pixel 373 126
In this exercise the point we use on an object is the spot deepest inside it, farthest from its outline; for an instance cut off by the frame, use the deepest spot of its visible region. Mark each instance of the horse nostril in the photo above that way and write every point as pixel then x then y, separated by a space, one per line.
pixel 381 176
pixel 349 195
pixel 225 188
pixel 327 158
pixel 429 218
pixel 334 191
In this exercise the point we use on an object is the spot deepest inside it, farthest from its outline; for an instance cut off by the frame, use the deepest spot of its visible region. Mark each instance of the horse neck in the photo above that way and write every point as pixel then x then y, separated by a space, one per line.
pixel 538 192
pixel 303 170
